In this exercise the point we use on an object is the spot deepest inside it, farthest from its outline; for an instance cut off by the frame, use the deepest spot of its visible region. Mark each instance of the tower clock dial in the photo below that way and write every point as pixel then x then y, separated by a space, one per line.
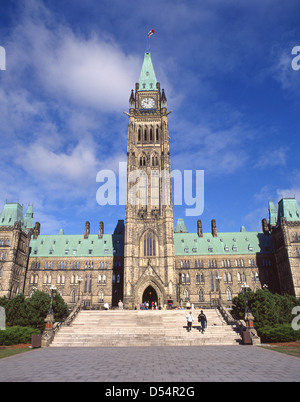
pixel 148 103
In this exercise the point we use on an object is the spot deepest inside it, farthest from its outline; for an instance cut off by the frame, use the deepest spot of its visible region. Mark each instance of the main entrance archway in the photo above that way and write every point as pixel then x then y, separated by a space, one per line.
pixel 150 296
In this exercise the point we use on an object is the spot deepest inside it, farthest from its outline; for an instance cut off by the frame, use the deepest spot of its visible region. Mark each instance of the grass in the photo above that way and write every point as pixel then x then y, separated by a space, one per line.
pixel 288 350
pixel 12 352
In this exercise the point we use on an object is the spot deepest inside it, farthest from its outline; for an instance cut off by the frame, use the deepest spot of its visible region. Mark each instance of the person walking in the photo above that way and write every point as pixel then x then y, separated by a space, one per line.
pixel 203 321
pixel 190 320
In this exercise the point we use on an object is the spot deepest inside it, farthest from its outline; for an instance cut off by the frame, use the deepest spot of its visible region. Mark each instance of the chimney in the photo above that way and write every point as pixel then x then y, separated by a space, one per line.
pixel 87 230
pixel 199 228
pixel 36 230
pixel 214 228
pixel 265 226
pixel 101 230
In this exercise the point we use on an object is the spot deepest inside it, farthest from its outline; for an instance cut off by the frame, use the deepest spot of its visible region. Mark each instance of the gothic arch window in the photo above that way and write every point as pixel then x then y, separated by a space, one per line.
pixel 186 295
pixel 201 295
pixel 139 134
pixel 151 134
pixel 154 159
pixel 157 134
pixel 228 294
pixel 73 296
pixel 149 244
pixel 143 160
pixel 145 134
pixel 101 296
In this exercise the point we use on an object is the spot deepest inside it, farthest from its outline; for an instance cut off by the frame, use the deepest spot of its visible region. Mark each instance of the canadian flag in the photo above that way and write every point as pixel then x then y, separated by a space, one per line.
pixel 152 32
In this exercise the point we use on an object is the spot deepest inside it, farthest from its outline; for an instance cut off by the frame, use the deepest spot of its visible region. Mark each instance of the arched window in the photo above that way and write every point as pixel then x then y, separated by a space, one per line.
pixel 149 245
pixel 151 134
pixel 143 160
pixel 186 295
pixel 73 296
pixel 157 135
pixel 139 134
pixel 201 295
pixel 101 296
pixel 228 294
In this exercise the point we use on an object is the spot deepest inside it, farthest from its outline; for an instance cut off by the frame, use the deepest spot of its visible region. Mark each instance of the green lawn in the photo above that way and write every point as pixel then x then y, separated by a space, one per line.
pixel 288 350
pixel 11 352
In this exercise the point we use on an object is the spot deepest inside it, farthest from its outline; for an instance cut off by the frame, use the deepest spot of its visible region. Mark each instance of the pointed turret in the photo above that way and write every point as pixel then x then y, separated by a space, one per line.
pixel 147 81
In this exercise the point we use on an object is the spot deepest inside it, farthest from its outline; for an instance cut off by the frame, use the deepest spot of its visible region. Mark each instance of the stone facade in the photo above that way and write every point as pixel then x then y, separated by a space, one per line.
pixel 14 255
pixel 147 259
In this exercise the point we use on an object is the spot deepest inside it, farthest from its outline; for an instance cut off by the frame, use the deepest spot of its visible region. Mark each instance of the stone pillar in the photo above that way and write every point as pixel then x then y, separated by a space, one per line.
pixel 48 333
pixel 249 319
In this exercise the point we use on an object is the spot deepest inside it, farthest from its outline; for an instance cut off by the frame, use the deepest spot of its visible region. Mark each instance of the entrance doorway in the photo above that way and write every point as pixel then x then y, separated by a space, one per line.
pixel 150 296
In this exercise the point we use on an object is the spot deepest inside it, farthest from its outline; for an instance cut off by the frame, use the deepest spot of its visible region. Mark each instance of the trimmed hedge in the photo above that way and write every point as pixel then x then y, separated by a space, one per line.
pixel 16 335
pixel 278 333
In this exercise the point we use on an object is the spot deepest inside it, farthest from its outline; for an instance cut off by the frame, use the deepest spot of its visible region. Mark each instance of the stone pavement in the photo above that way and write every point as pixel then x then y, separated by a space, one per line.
pixel 151 364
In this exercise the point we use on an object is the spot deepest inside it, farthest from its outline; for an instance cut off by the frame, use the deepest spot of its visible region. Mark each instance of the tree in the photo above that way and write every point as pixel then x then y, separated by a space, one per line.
pixel 32 311
pixel 268 309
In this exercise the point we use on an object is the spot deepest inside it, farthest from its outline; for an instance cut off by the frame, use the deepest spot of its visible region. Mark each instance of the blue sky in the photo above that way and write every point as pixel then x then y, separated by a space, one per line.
pixel 226 70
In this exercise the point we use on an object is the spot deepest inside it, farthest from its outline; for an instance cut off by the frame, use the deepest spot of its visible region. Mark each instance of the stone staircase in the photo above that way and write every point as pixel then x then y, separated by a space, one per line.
pixel 121 328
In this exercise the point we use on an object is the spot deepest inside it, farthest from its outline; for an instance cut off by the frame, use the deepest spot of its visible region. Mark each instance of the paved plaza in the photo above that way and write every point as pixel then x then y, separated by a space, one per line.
pixel 151 364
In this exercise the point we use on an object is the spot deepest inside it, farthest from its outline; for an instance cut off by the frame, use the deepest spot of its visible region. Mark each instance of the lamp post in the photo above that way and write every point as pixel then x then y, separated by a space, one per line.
pixel 79 282
pixel 53 290
pixel 245 287
pixel 218 278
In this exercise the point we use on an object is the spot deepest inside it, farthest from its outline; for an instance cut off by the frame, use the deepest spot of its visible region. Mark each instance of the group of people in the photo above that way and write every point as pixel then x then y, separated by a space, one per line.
pixel 201 319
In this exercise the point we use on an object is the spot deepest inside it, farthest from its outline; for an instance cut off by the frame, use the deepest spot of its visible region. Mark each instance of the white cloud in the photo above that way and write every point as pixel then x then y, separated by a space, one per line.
pixel 276 157
pixel 94 72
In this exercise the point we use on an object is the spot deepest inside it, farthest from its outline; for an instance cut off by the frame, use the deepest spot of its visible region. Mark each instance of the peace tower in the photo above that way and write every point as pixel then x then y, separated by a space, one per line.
pixel 149 234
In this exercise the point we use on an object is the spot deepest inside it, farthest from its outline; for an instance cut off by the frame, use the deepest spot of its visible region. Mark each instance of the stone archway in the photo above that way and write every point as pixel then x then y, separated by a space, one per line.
pixel 150 296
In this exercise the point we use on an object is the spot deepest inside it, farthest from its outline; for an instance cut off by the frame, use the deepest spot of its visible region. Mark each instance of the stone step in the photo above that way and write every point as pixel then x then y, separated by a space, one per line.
pixel 143 328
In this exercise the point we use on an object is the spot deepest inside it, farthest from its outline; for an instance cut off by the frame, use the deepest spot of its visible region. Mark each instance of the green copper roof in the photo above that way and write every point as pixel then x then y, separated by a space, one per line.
pixel 28 220
pixel 62 245
pixel 224 244
pixel 289 209
pixel 180 227
pixel 147 81
pixel 272 213
pixel 13 212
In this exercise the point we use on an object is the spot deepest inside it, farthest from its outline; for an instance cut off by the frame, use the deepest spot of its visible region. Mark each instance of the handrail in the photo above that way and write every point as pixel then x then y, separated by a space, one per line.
pixel 240 324
pixel 68 321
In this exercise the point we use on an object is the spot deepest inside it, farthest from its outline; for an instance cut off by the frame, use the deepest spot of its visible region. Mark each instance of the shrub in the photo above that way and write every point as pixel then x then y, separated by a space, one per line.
pixel 278 333
pixel 268 309
pixel 31 312
pixel 16 335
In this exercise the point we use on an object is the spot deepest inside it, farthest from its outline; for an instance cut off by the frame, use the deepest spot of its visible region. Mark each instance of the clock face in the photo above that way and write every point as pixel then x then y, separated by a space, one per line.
pixel 148 103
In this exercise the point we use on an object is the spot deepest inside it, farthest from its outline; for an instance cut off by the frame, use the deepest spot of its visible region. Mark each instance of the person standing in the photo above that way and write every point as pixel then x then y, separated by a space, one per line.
pixel 190 320
pixel 203 321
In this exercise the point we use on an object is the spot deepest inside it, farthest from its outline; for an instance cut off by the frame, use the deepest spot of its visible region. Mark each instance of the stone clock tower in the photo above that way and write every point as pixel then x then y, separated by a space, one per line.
pixel 149 273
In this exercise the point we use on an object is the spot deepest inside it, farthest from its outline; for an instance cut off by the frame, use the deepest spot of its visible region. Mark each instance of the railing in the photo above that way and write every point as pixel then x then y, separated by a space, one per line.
pixel 68 321
pixel 239 324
